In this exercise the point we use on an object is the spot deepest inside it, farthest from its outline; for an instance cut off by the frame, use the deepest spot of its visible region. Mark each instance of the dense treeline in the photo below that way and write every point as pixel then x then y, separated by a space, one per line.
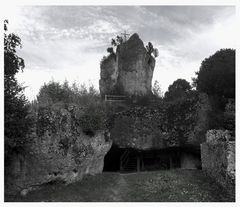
pixel 17 122
pixel 54 96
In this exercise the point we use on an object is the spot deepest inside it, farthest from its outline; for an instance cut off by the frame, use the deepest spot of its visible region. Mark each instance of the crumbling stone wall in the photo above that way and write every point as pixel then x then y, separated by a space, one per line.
pixel 218 160
pixel 59 150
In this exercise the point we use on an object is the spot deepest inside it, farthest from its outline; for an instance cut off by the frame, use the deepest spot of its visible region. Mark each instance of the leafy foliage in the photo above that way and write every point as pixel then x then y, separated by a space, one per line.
pixel 93 119
pixel 180 117
pixel 229 116
pixel 216 76
pixel 179 89
pixel 151 49
pixel 110 50
pixel 157 89
pixel 55 96
pixel 185 115
pixel 54 92
pixel 117 41
pixel 16 120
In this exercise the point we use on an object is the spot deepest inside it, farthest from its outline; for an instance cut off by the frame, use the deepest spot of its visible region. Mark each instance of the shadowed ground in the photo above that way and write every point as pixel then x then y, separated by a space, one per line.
pixel 158 186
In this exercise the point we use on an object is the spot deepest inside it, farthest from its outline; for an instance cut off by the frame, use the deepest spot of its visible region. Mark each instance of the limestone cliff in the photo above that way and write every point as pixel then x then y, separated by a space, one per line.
pixel 109 75
pixel 129 72
pixel 59 150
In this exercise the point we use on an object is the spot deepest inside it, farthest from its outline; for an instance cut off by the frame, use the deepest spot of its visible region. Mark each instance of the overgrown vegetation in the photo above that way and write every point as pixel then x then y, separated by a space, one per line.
pixel 190 112
pixel 17 122
pixel 54 96
pixel 216 78
pixel 151 50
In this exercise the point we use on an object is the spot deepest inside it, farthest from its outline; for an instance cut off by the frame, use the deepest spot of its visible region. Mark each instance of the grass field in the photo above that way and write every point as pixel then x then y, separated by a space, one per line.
pixel 155 186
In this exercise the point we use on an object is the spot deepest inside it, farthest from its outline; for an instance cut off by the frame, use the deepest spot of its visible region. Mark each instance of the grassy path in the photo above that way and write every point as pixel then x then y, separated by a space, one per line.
pixel 158 186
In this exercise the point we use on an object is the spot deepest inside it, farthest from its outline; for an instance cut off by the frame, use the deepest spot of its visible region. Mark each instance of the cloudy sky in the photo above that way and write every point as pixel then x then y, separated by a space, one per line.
pixel 67 42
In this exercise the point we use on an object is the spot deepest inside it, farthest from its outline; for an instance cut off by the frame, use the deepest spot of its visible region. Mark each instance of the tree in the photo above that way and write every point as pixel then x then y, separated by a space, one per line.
pixel 216 76
pixel 55 96
pixel 117 41
pixel 157 89
pixel 151 49
pixel 16 120
pixel 110 50
pixel 178 89
pixel 179 116
pixel 55 92
pixel 229 116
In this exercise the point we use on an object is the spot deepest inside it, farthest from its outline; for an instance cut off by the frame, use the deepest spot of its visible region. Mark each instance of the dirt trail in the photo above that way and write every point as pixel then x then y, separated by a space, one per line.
pixel 119 191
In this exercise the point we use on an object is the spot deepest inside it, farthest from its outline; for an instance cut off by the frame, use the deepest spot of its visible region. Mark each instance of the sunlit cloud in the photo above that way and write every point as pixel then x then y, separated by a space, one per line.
pixel 68 42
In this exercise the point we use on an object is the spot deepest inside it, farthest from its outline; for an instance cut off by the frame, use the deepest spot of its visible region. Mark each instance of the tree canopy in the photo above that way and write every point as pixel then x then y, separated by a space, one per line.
pixel 178 89
pixel 217 74
pixel 16 120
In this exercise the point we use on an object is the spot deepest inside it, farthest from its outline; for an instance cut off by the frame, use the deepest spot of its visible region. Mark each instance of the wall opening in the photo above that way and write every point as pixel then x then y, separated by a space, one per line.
pixel 132 160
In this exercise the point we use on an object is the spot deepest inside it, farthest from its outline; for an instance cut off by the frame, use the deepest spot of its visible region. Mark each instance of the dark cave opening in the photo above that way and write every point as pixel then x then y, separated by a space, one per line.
pixel 112 159
pixel 132 160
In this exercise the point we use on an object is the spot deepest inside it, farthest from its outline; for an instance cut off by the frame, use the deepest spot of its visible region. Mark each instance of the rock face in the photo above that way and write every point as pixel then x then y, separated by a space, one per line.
pixel 218 160
pixel 138 128
pixel 129 72
pixel 109 75
pixel 62 152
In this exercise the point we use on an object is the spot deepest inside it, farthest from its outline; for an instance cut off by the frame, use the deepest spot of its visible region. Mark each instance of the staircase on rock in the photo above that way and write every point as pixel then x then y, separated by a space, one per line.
pixel 130 161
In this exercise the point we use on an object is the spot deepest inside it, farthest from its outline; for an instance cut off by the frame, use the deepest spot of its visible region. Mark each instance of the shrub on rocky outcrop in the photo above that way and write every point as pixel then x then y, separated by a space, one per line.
pixel 214 136
pixel 229 116
pixel 55 98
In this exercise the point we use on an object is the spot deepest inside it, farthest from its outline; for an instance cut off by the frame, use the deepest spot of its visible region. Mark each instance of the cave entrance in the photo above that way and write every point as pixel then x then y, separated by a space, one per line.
pixel 112 159
pixel 132 160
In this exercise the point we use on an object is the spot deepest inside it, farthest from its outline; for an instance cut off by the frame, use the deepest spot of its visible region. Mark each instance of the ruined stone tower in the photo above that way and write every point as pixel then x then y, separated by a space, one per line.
pixel 128 72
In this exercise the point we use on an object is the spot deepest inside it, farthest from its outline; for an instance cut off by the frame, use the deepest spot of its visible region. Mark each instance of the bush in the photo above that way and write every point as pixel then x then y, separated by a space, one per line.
pixel 55 92
pixel 229 116
pixel 92 120
pixel 54 98
pixel 216 76
pixel 214 136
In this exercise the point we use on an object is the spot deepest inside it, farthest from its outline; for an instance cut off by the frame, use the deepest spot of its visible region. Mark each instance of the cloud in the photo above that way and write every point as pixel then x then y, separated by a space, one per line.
pixel 69 41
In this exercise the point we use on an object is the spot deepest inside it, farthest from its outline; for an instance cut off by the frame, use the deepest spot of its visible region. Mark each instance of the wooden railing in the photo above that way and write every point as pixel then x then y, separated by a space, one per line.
pixel 124 159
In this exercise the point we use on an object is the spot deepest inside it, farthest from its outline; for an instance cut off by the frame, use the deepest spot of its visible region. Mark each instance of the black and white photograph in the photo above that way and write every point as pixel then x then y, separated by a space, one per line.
pixel 119 103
